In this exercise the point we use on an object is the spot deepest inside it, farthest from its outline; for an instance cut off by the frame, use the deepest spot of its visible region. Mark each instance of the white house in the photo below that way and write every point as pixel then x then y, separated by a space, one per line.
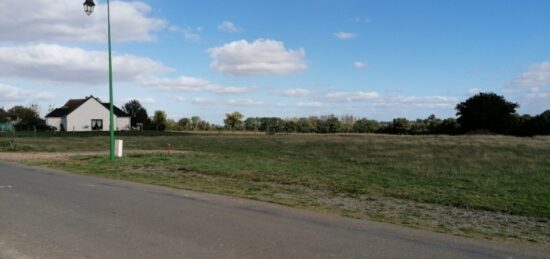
pixel 88 114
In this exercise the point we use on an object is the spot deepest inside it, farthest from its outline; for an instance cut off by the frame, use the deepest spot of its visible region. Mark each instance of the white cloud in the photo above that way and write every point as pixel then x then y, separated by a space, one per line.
pixel 406 102
pixel 345 35
pixel 391 101
pixel 363 20
pixel 192 34
pixel 148 100
pixel 532 88
pixel 310 104
pixel 296 92
pixel 204 101
pixel 473 91
pixel 372 105
pixel 228 26
pixel 45 20
pixel 14 94
pixel 537 75
pixel 144 100
pixel 261 57
pixel 58 64
pixel 54 63
pixel 360 64
pixel 351 96
pixel 195 84
pixel 244 102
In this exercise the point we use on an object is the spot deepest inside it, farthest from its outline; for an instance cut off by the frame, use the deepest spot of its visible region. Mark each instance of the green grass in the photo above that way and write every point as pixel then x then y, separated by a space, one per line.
pixel 494 173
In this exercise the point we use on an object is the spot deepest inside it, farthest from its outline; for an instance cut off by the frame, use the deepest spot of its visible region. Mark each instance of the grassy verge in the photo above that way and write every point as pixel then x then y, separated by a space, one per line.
pixel 475 186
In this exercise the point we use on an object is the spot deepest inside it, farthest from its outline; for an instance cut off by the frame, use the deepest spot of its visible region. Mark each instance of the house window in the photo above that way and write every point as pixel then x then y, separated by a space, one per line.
pixel 97 124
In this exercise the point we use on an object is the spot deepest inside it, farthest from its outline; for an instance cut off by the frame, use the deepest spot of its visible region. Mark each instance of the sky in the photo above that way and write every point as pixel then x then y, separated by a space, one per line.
pixel 286 58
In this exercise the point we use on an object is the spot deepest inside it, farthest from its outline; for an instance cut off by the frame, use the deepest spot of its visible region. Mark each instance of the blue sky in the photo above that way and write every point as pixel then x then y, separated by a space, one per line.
pixel 375 59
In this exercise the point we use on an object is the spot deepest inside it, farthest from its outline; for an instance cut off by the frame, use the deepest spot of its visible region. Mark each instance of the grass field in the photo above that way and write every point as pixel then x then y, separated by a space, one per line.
pixel 411 180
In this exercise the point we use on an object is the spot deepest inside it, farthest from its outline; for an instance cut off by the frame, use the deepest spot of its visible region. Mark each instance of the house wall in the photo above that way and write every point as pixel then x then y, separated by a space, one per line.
pixel 81 118
pixel 56 122
pixel 64 122
pixel 122 123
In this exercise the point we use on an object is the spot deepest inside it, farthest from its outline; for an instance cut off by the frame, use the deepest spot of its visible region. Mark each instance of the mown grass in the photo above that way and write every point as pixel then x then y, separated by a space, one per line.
pixel 494 173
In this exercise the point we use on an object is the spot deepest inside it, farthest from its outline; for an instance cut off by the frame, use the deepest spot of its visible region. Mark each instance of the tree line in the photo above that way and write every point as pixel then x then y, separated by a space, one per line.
pixel 27 117
pixel 484 113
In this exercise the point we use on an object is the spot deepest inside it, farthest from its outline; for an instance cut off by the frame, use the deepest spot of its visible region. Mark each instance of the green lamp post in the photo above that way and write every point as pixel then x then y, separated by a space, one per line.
pixel 89 6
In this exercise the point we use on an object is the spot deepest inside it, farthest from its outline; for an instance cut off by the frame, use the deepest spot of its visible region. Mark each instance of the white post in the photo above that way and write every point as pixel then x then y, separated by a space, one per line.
pixel 118 147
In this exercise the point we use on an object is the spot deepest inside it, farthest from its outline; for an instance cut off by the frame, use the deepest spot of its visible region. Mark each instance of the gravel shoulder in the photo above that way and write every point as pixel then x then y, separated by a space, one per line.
pixel 25 156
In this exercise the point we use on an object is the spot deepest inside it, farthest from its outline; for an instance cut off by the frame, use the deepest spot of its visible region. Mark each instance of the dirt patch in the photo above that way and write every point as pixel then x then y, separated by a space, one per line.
pixel 23 156
pixel 445 218
pixel 16 157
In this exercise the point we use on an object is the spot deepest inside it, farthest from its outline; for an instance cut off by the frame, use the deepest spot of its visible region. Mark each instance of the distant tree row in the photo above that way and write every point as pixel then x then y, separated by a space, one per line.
pixel 348 124
pixel 160 121
pixel 24 118
pixel 483 113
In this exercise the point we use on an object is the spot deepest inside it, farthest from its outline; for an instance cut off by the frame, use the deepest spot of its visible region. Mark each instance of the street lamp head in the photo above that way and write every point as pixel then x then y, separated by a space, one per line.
pixel 89 6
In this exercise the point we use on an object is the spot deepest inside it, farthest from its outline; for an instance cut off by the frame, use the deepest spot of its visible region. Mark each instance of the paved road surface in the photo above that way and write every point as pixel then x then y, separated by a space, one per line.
pixel 47 214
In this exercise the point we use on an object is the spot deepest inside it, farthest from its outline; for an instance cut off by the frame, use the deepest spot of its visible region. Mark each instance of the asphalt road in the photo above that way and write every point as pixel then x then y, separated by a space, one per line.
pixel 48 214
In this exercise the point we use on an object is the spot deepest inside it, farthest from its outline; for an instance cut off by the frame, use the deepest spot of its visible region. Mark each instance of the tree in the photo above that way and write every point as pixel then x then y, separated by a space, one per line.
pixel 252 124
pixel 28 117
pixel 399 126
pixel 541 124
pixel 203 125
pixel 137 113
pixel 3 116
pixel 305 125
pixel 328 124
pixel 291 126
pixel 171 124
pixel 523 125
pixel 321 126
pixel 333 124
pixel 195 122
pixel 132 107
pixel 143 118
pixel 233 121
pixel 347 122
pixel 365 126
pixel 486 111
pixel 433 124
pixel 448 127
pixel 160 120
pixel 184 124
pixel 272 125
pixel 419 127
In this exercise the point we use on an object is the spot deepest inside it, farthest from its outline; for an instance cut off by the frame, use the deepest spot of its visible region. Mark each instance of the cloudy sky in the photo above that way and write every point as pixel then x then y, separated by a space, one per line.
pixel 286 58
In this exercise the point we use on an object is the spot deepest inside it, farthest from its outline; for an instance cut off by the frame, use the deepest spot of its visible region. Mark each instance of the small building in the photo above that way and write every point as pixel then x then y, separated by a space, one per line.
pixel 88 114
pixel 7 120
